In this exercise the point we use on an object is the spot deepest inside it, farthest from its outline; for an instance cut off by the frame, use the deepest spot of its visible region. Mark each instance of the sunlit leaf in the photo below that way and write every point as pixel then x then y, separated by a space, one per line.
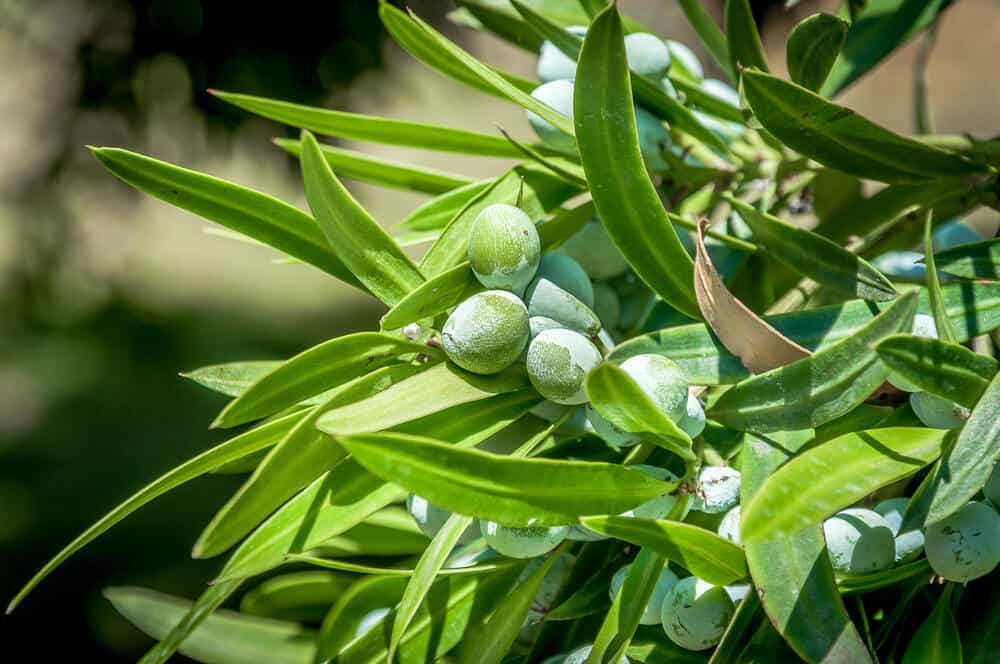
pixel 945 369
pixel 813 47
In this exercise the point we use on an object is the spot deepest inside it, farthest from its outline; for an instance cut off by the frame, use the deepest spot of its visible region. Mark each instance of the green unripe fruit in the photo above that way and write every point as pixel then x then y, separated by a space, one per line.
pixel 538 324
pixel 695 614
pixel 859 541
pixel 580 655
pixel 923 326
pixel 684 62
pixel 693 422
pixel 992 487
pixel 647 54
pixel 653 139
pixel 553 64
pixel 431 518
pixel 654 608
pixel 522 542
pixel 908 544
pixel 719 489
pixel 965 545
pixel 547 300
pixel 655 508
pixel 558 362
pixel 486 333
pixel 592 248
pixel 662 381
pixel 606 306
pixel 938 413
pixel 729 527
pixel 557 95
pixel 504 249
pixel 610 433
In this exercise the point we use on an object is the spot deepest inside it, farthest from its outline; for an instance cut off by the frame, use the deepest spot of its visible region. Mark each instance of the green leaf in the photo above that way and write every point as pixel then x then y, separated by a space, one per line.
pixel 937 638
pixel 792 574
pixel 973 309
pixel 979 618
pixel 372 128
pixel 198 612
pixel 437 212
pixel 880 28
pixel 316 370
pixel 344 621
pixel 233 378
pixel 440 387
pixel 855 585
pixel 626 610
pixel 813 47
pixel 941 321
pixel 469 424
pixel 815 256
pixel 299 597
pixel 357 568
pixel 618 398
pixel 564 224
pixel 745 48
pixel 829 477
pixel 235 448
pixel 424 573
pixel 262 217
pixel 490 640
pixel 840 138
pixel 437 51
pixel 651 646
pixel 358 240
pixel 817 389
pixel 512 491
pixel 711 35
pixel 225 637
pixel 436 295
pixel 499 21
pixel 388 532
pixel 302 455
pixel 978 260
pixel 965 467
pixel 945 369
pixel 701 552
pixel 366 168
pixel 626 200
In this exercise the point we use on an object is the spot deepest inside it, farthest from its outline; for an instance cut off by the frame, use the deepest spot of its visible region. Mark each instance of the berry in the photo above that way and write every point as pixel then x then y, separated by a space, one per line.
pixel 504 249
pixel 859 541
pixel 695 613
pixel 522 542
pixel 562 291
pixel 719 490
pixel 558 362
pixel 647 54
pixel 487 332
pixel 693 421
pixel 729 527
pixel 684 63
pixel 559 96
pixel 592 248
pixel 909 544
pixel 664 584
pixel 938 413
pixel 662 381
pixel 659 507
pixel 606 306
pixel 965 545
pixel 992 487
pixel 553 64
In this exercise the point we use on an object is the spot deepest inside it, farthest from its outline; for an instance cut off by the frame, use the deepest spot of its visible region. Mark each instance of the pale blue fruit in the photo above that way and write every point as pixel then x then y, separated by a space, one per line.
pixel 992 487
pixel 606 306
pixel 431 518
pixel 684 62
pixel 719 489
pixel 693 422
pixel 647 54
pixel 738 592
pixel 953 233
pixel 610 433
pixel 729 527
pixel 695 613
pixel 662 381
pixel 558 362
pixel 909 544
pixel 504 249
pixel 487 332
pixel 592 248
pixel 553 64
pixel 721 91
pixel 965 545
pixel 653 139
pixel 580 533
pixel 538 324
pixel 580 655
pixel 568 274
pixel 923 326
pixel 938 413
pixel 654 608
pixel 900 264
pixel 859 541
pixel 562 291
pixel 522 542
pixel 658 507
pixel 558 95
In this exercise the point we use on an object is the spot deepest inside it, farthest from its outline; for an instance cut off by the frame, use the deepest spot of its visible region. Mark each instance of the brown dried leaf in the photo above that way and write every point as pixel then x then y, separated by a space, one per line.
pixel 745 334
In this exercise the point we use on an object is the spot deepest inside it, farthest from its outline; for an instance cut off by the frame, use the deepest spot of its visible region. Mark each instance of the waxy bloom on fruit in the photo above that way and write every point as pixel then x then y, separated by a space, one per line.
pixel 558 362
pixel 486 333
pixel 965 545
pixel 504 249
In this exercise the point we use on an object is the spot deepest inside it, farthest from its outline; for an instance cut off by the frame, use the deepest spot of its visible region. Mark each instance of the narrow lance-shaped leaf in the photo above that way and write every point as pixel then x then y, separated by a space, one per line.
pixel 836 474
pixel 820 388
pixel 941 321
pixel 965 467
pixel 745 48
pixel 815 256
pixel 512 491
pixel 840 138
pixel 262 217
pixel 792 574
pixel 358 240
pixel 701 552
pixel 233 378
pixel 757 344
pixel 236 448
pixel 358 127
pixel 316 370
pixel 978 260
pixel 199 611
pixel 614 394
pixel 609 147
pixel 299 596
pixel 813 47
pixel 979 616
pixel 946 369
pixel 711 35
pixel 365 167
pixel 437 212
pixel 376 570
pixel 439 293
pixel 937 639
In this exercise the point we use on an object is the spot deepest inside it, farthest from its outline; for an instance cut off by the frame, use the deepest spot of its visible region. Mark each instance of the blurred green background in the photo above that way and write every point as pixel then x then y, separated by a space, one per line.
pixel 106 295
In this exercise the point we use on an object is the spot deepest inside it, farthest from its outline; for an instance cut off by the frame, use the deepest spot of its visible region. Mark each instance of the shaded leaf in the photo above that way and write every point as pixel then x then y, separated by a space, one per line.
pixel 626 610
pixel 979 619
pixel 941 321
pixel 745 49
pixel 937 638
pixel 197 613
pixel 300 596
pixel 358 568
pixel 945 369
pixel 978 260
pixel 813 47
pixel 437 212
pixel 711 35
